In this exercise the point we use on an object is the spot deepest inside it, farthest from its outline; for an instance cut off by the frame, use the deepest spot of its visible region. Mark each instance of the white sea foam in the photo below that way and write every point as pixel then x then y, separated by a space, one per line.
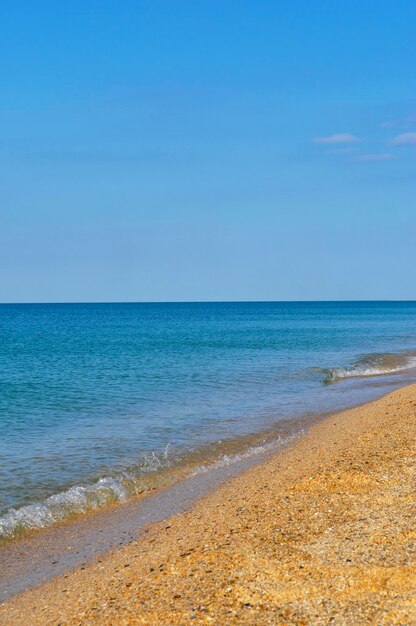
pixel 78 499
pixel 262 448
pixel 370 365
pixel 82 498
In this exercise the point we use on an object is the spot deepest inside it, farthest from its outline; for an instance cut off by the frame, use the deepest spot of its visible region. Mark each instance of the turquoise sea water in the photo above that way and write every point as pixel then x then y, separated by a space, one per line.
pixel 100 401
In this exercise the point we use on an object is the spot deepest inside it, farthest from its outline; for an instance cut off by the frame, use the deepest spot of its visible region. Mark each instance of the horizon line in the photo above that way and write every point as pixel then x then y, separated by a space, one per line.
pixel 311 301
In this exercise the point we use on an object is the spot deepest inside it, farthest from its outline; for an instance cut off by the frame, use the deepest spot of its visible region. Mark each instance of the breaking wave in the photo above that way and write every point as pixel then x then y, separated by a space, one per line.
pixel 148 474
pixel 377 364
pixel 75 500
pixel 154 471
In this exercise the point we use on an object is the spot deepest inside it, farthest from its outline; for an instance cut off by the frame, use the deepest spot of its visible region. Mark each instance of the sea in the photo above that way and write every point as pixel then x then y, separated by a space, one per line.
pixel 102 402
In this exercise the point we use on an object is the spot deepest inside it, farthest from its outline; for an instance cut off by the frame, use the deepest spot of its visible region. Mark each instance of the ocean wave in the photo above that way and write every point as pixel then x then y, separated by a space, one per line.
pixel 146 475
pixel 154 470
pixel 369 365
pixel 77 499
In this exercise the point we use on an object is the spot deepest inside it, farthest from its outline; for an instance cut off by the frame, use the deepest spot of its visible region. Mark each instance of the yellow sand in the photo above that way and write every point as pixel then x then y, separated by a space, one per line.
pixel 324 533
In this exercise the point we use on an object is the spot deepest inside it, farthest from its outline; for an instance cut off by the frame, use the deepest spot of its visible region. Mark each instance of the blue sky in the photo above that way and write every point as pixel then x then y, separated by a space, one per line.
pixel 203 150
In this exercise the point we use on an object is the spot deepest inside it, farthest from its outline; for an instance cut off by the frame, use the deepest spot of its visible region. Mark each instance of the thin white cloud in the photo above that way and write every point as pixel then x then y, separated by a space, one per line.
pixel 403 123
pixel 337 138
pixel 388 124
pixel 368 158
pixel 404 139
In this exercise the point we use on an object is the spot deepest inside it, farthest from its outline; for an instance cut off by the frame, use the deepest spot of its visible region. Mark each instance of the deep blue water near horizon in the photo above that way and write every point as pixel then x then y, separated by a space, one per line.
pixel 109 392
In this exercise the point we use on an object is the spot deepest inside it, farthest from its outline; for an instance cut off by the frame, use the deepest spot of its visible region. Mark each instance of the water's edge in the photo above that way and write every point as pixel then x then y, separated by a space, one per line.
pixel 164 469
pixel 35 559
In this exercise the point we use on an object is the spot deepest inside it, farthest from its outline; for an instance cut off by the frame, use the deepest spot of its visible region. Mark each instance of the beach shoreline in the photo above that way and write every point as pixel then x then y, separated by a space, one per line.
pixel 242 451
pixel 40 555
pixel 321 530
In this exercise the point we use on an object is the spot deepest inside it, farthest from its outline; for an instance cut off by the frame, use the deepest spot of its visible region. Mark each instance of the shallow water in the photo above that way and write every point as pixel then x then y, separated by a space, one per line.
pixel 98 401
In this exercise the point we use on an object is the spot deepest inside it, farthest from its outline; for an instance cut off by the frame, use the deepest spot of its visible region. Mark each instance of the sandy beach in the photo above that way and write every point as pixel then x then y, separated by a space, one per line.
pixel 321 533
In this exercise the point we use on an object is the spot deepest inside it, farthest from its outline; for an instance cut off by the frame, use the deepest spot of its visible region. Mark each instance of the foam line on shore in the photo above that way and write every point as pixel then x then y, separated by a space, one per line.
pixel 321 532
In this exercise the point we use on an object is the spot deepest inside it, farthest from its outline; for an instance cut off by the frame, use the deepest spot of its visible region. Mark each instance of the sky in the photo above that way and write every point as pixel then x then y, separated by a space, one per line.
pixel 211 150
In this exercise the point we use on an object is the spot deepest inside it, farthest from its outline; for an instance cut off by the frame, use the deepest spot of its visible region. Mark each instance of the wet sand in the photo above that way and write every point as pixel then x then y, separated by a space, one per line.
pixel 41 555
pixel 323 532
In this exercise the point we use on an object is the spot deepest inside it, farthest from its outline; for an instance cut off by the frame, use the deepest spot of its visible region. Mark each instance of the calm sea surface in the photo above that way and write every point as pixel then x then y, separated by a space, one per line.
pixel 99 401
